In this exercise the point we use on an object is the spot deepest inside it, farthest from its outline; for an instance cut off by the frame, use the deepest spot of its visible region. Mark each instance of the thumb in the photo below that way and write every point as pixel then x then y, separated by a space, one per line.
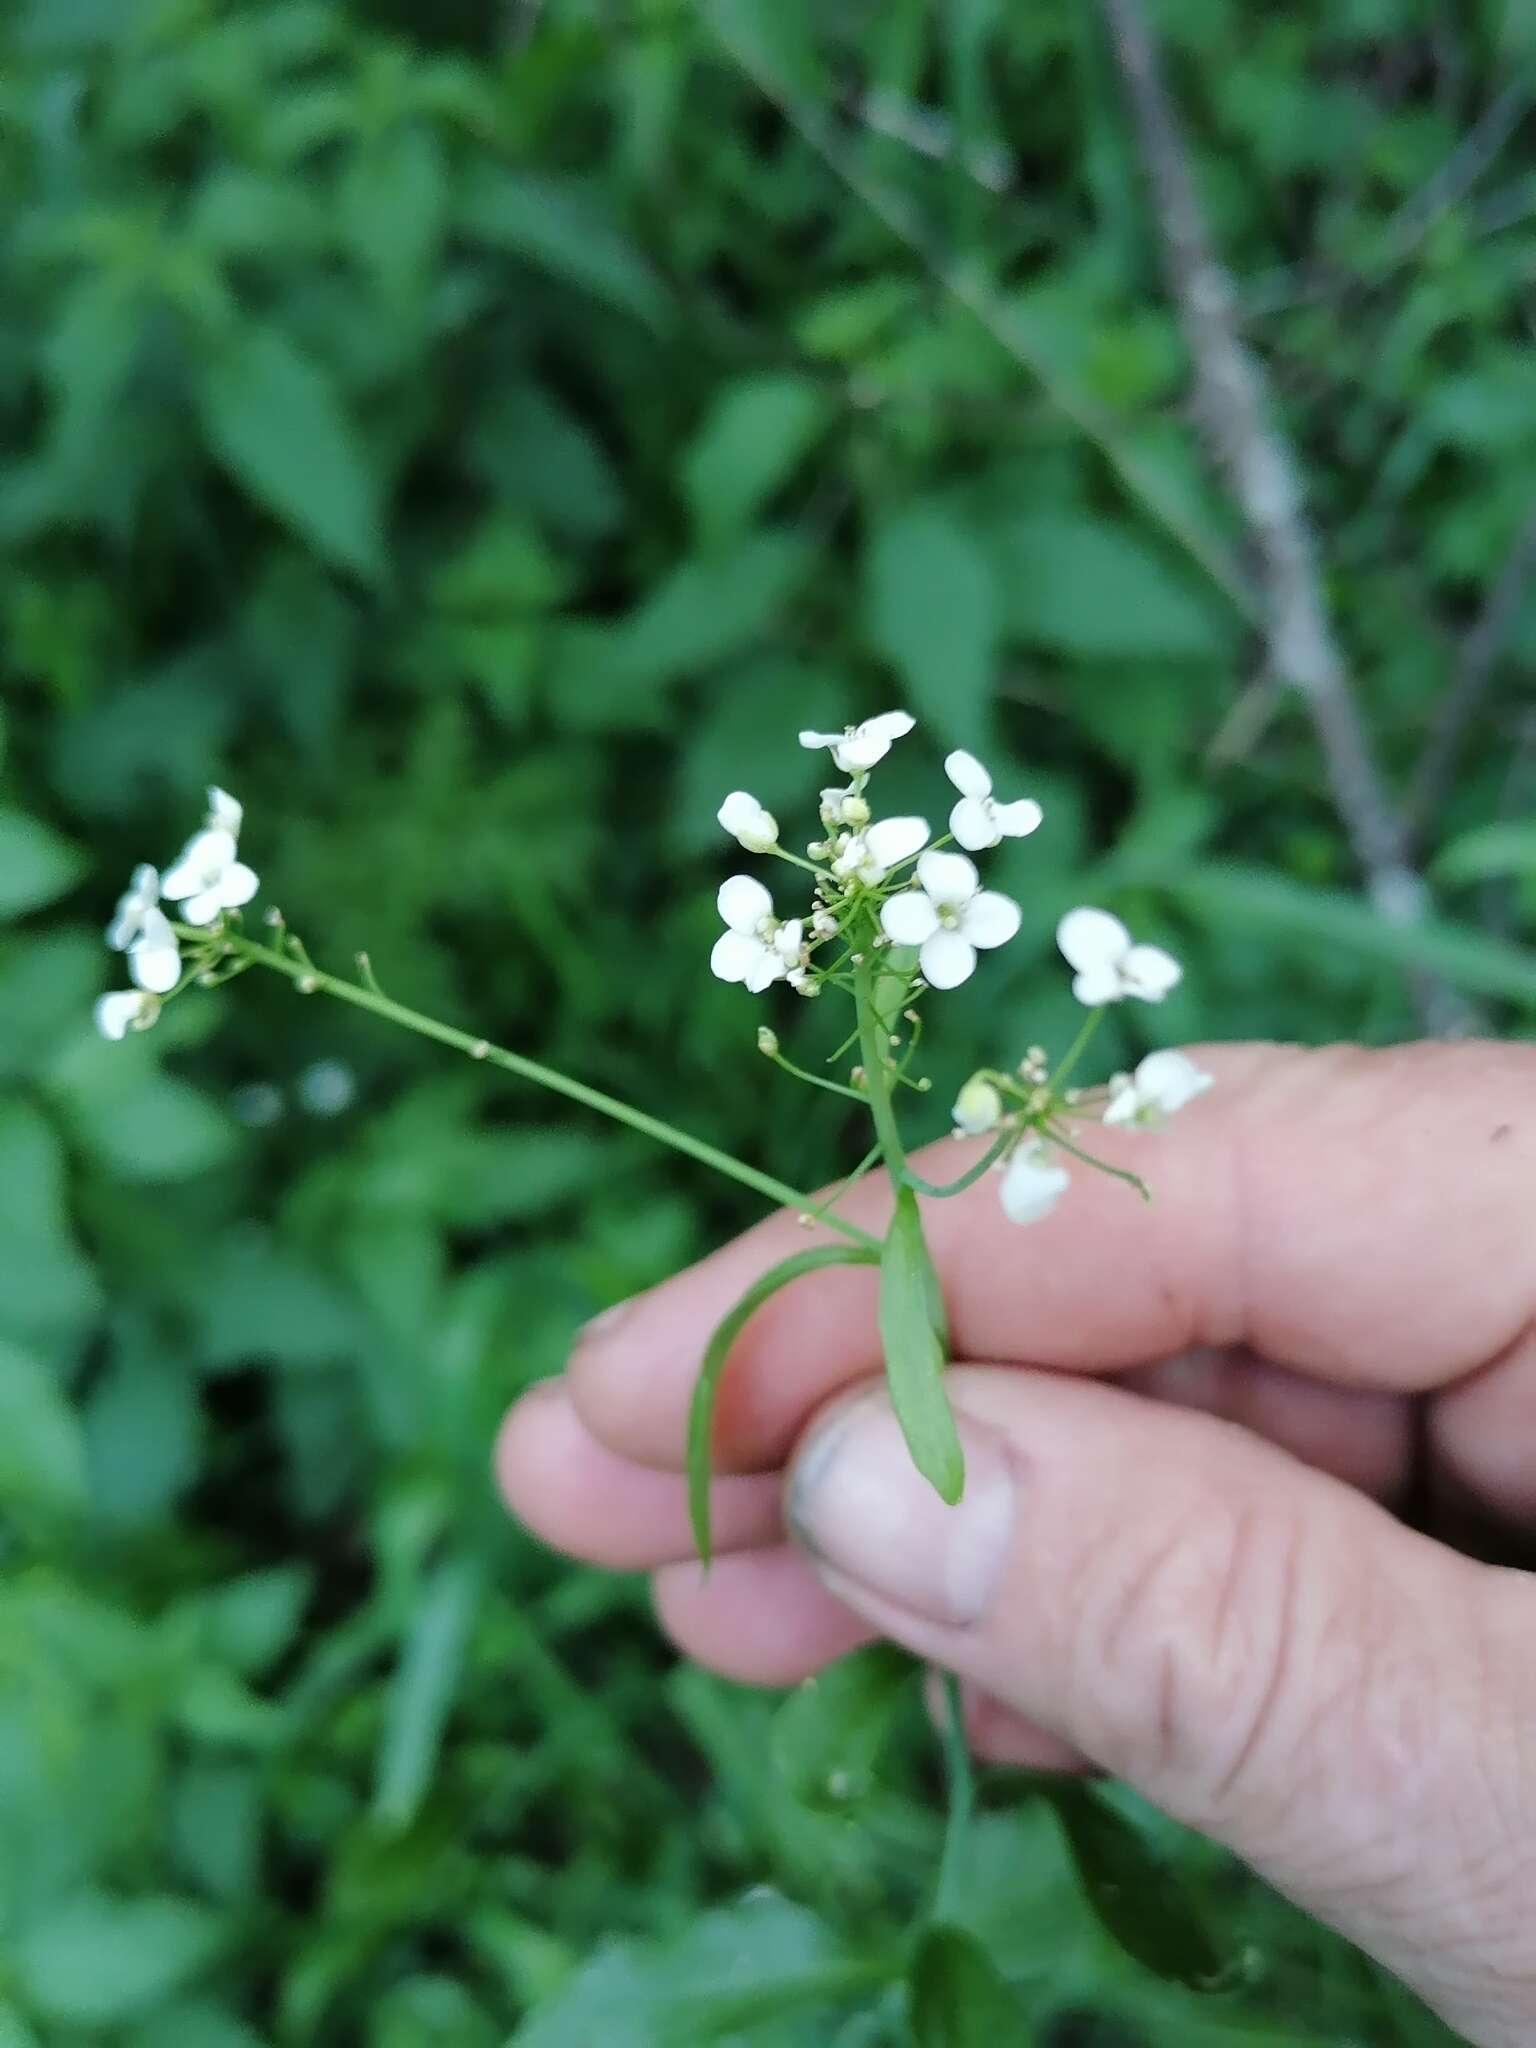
pixel 1263 1652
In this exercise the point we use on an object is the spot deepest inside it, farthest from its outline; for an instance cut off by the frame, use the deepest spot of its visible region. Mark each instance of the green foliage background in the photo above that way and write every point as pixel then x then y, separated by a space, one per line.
pixel 480 437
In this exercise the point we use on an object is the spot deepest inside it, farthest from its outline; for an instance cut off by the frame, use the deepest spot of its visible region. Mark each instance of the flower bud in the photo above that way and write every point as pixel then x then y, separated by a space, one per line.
pixel 978 1107
pixel 748 823
pixel 767 1042
pixel 856 812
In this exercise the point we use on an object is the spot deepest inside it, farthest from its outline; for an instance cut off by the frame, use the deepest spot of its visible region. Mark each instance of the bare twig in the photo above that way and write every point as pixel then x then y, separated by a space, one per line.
pixel 1234 412
pixel 1480 652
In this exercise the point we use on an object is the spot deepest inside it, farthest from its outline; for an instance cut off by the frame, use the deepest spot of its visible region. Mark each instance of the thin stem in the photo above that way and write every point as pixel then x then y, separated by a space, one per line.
pixel 969 1178
pixel 1054 1133
pixel 312 981
pixel 873 1051
pixel 829 1202
pixel 962 1801
pixel 788 1066
pixel 1077 1048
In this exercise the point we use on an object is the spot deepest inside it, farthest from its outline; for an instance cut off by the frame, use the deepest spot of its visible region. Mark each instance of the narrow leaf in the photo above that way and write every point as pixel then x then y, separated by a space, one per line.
pixel 914 1351
pixel 830 1731
pixel 701 1413
pixel 957 1998
pixel 1132 1891
pixel 425 1683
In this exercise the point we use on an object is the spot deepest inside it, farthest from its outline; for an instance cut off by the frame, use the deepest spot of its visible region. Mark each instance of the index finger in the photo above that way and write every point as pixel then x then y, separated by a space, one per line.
pixel 1363 1217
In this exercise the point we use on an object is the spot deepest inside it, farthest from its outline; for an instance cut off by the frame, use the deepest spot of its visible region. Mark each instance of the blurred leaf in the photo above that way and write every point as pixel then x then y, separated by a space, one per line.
pixel 276 421
pixel 914 1355
pixel 49 1288
pixel 932 605
pixel 956 1997
pixel 96 1959
pixel 552 223
pixel 1501 848
pixel 42 1462
pixel 829 1733
pixel 752 440
pixel 36 865
pixel 251 1621
pixel 1089 588
pixel 701 1412
pixel 1131 1889
pixel 143 1432
pixel 425 1682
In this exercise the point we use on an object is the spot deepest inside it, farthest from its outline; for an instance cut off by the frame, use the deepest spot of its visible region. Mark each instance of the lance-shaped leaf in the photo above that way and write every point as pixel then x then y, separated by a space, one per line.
pixel 912 1333
pixel 1133 1892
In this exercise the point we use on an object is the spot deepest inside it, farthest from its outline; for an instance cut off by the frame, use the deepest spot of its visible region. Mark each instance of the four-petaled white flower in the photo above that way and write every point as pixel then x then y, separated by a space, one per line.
pixel 141 929
pixel 748 823
pixel 225 813
pixel 978 1107
pixel 209 877
pixel 125 1010
pixel 948 916
pixel 1109 964
pixel 757 947
pixel 872 853
pixel 857 748
pixel 1162 1083
pixel 1033 1183
pixel 978 820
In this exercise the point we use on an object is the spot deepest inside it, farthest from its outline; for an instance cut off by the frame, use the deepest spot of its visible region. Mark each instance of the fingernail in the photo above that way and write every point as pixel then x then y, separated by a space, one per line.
pixel 605 1323
pixel 863 1511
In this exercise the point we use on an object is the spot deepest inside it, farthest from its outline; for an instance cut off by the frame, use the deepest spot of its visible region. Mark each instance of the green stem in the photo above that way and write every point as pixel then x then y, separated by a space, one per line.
pixel 787 1066
pixel 828 1202
pixel 969 1178
pixel 873 1052
pixel 1053 1132
pixel 962 1800
pixel 313 982
pixel 1076 1049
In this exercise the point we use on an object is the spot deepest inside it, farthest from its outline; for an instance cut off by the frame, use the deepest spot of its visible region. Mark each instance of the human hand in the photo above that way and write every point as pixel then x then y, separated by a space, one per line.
pixel 1201 1592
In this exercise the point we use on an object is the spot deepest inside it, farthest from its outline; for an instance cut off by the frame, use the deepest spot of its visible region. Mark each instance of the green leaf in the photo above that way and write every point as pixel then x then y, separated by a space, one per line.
pixel 957 1998
pixel 253 1619
pixel 914 1352
pixel 553 224
pixel 1257 901
pixel 95 1960
pixel 425 1683
pixel 1506 847
pixel 931 606
pixel 1089 588
pixel 829 1733
pixel 36 865
pixel 49 1289
pixel 752 440
pixel 274 418
pixel 1131 1889
pixel 42 1460
pixel 701 1410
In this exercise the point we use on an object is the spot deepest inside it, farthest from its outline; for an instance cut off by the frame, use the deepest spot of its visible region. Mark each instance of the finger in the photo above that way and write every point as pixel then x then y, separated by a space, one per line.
pixel 761 1617
pixel 1262 1651
pixel 1365 1439
pixel 1300 1209
pixel 583 1499
pixel 997 1735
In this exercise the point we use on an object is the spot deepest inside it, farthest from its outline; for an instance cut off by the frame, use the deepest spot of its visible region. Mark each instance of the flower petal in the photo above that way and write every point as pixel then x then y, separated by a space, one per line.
pixel 733 956
pixel 789 938
pixel 888 726
pixel 909 918
pixel 947 959
pixel 894 839
pixel 154 960
pixel 224 812
pixel 822 739
pixel 990 919
pixel 205 908
pixel 860 751
pixel 967 773
pixel 1125 1104
pixel 1168 1080
pixel 1032 1185
pixel 949 878
pixel 974 823
pixel 124 1010
pixel 744 902
pixel 767 968
pixel 738 809
pixel 1149 972
pixel 1097 985
pixel 1092 938
pixel 1017 820
pixel 201 861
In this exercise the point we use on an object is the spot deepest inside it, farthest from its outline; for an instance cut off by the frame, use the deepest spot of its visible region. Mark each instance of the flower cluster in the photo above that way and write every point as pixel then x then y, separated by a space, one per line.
pixel 206 880
pixel 940 910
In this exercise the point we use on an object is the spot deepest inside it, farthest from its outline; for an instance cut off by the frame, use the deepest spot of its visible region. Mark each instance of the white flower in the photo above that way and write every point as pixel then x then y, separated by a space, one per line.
pixel 748 823
pixel 978 1108
pixel 1032 1183
pixel 224 813
pixel 208 878
pixel 125 1010
pixel 948 916
pixel 1161 1084
pixel 872 853
pixel 978 821
pixel 844 807
pixel 857 748
pixel 141 929
pixel 757 947
pixel 1108 965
